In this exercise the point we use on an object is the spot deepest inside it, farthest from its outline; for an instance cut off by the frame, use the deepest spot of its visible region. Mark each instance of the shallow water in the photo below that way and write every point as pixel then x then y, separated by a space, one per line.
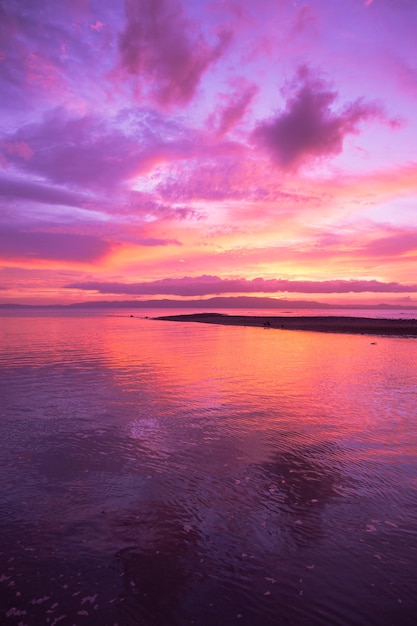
pixel 161 473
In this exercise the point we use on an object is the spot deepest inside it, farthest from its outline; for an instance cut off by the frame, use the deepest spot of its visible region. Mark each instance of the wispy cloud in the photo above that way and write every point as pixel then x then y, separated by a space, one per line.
pixel 233 107
pixel 19 188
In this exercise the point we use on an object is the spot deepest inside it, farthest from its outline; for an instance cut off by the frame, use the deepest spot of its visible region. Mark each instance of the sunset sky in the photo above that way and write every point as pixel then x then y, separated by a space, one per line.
pixel 164 148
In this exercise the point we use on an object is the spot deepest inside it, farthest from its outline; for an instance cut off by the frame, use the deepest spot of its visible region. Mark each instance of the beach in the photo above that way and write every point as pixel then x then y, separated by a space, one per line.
pixel 326 324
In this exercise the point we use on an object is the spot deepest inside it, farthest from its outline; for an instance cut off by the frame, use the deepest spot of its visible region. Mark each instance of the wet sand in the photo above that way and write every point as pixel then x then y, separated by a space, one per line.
pixel 326 324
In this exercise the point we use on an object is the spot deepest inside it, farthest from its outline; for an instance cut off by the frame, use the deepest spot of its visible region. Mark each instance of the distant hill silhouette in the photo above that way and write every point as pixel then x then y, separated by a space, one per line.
pixel 219 302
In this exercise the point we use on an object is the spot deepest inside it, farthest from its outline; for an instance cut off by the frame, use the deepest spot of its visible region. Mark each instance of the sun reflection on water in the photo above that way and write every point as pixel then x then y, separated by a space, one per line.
pixel 184 472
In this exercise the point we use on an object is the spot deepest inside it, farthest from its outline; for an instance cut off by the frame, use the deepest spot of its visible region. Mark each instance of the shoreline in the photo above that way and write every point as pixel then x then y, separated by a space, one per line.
pixel 326 324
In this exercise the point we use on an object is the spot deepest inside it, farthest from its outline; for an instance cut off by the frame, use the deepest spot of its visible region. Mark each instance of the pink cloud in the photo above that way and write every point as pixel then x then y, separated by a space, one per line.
pixel 304 21
pixel 234 176
pixel 43 72
pixel 159 44
pixel 235 107
pixel 211 285
pixel 97 26
pixel 20 148
pixel 396 244
pixel 308 128
pixel 145 203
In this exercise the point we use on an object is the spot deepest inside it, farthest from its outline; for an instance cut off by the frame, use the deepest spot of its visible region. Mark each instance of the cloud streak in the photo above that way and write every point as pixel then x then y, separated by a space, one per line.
pixel 214 285
pixel 234 108
pixel 33 246
pixel 18 188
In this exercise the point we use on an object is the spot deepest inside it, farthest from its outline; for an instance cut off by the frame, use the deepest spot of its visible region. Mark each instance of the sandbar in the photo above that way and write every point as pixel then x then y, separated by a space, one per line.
pixel 319 323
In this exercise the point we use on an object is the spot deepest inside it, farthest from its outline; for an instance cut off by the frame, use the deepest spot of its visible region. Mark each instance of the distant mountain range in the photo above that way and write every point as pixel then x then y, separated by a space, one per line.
pixel 219 302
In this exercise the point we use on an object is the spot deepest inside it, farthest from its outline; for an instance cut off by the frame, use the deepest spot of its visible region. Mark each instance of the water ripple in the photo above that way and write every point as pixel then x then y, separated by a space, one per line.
pixel 170 474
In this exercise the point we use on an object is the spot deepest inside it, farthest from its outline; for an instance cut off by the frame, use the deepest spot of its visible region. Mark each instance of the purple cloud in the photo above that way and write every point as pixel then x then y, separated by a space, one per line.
pixel 305 20
pixel 78 150
pixel 52 246
pixel 96 153
pixel 40 47
pixel 36 192
pixel 308 128
pixel 159 45
pixel 210 285
pixel 234 109
pixel 155 241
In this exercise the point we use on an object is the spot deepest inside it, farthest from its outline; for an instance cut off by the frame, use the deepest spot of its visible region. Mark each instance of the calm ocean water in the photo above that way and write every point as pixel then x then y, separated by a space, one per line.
pixel 164 474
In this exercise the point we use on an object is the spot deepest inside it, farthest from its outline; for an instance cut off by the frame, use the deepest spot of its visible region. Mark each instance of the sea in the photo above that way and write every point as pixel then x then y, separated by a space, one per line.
pixel 161 473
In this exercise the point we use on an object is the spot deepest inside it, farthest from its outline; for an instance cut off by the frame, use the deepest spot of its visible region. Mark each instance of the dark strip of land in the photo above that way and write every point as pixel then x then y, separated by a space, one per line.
pixel 326 324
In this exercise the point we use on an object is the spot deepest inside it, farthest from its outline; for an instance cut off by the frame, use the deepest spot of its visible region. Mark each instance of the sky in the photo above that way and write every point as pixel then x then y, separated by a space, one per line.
pixel 195 148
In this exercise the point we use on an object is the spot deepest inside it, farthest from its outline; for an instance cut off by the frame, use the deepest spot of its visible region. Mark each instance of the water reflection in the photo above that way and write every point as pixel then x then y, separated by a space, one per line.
pixel 178 474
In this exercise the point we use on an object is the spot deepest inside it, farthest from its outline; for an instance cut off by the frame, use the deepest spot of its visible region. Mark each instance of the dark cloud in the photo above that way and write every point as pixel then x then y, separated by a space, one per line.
pixel 165 50
pixel 308 127
pixel 211 285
